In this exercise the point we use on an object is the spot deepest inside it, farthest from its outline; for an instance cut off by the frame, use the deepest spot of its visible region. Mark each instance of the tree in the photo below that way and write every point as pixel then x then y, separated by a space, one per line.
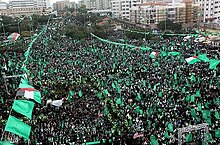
pixel 25 25
pixel 170 25
pixel 82 10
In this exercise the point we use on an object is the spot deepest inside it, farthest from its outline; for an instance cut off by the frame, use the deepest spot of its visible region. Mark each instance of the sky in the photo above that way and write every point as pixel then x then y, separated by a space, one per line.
pixel 51 1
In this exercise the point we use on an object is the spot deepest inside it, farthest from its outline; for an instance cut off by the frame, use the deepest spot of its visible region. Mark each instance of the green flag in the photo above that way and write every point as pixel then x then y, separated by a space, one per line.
pixel 113 86
pixel 199 107
pixel 71 93
pixel 17 127
pixel 192 98
pixel 213 63
pixel 24 81
pixel 5 143
pixel 217 115
pixel 170 127
pixel 203 57
pixel 166 135
pixel 160 94
pixel 25 86
pixel 99 95
pixel 23 107
pixel 198 93
pixel 174 53
pixel 93 143
pixel 80 93
pixel 153 140
pixel 217 133
pixel 118 101
pixel 138 98
pixel 37 96
pixel 189 137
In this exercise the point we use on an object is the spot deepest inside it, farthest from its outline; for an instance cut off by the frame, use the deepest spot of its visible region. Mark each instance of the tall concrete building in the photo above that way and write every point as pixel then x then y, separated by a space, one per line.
pixel 210 10
pixel 3 5
pixel 151 13
pixel 102 4
pixel 121 8
pixel 28 4
pixel 90 4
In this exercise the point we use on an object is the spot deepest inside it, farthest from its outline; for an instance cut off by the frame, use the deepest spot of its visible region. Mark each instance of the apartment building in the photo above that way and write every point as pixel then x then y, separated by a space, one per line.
pixel 17 12
pixel 102 4
pixel 121 8
pixel 153 12
pixel 28 4
pixel 90 4
pixel 3 5
pixel 210 10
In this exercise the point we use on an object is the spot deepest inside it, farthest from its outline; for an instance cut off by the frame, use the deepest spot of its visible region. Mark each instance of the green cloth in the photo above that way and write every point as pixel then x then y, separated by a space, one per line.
pixel 198 93
pixel 160 94
pixel 24 81
pixel 23 107
pixel 174 53
pixel 213 63
pixel 199 107
pixel 25 86
pixel 203 57
pixel 80 93
pixel 189 137
pixel 118 101
pixel 166 135
pixel 192 98
pixel 138 98
pixel 91 143
pixel 153 140
pixel 17 127
pixel 37 96
pixel 170 127
pixel 217 133
pixel 217 115
pixel 5 143
pixel 69 98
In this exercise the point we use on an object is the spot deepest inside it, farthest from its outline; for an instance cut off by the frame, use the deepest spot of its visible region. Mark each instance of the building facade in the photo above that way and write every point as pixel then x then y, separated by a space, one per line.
pixel 28 4
pixel 62 5
pixel 17 12
pixel 210 11
pixel 90 4
pixel 102 4
pixel 121 8
pixel 155 12
pixel 3 5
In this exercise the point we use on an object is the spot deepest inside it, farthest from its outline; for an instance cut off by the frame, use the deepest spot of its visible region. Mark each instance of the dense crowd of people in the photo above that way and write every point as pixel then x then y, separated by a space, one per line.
pixel 115 94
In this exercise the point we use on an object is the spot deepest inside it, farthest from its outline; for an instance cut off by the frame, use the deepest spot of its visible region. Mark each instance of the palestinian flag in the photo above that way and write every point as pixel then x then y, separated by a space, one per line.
pixel 154 54
pixel 192 60
pixel 30 93
pixel 13 37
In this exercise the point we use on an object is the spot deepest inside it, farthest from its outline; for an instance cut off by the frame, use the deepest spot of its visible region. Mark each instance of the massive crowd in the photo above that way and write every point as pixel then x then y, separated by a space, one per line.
pixel 113 93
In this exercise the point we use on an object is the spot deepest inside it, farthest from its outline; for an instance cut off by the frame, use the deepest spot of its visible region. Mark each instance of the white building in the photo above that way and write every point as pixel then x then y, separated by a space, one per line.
pixel 28 4
pixel 210 10
pixel 90 4
pixel 151 13
pixel 3 5
pixel 21 4
pixel 121 8
pixel 102 4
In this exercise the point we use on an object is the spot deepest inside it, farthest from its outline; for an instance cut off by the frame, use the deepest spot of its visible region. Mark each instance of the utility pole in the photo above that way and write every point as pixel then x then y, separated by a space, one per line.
pixel 7 77
pixel 165 20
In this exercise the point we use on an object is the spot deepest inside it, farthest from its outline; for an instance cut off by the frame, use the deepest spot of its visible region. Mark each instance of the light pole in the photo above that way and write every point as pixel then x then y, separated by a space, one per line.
pixel 165 20
pixel 3 28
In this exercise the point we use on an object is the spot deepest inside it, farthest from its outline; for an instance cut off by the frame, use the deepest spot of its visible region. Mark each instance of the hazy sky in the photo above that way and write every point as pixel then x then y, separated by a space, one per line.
pixel 51 1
